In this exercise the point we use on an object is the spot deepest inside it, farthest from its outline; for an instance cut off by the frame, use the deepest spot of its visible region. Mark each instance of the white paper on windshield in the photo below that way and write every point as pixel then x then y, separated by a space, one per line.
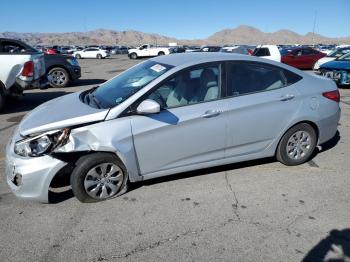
pixel 158 68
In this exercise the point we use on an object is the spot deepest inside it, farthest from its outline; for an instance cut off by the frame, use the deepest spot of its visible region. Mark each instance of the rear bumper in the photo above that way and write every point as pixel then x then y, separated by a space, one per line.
pixel 74 72
pixel 26 83
pixel 328 127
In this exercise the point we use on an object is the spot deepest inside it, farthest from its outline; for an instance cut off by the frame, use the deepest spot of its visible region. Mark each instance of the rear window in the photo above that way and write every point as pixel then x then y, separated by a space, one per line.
pixel 263 51
pixel 9 47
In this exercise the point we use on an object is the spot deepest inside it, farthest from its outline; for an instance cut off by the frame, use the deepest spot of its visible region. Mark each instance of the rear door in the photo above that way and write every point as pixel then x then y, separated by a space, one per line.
pixel 189 130
pixel 308 58
pixel 261 103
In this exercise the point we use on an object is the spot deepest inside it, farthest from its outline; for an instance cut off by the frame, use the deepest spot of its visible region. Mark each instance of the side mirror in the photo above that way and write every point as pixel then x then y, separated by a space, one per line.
pixel 148 106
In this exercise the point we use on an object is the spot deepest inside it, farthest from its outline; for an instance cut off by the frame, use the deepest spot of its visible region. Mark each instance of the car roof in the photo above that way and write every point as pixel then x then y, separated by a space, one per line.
pixel 202 57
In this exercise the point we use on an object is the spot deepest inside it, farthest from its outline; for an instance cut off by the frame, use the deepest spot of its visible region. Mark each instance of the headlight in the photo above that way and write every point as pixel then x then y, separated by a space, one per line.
pixel 42 144
pixel 73 61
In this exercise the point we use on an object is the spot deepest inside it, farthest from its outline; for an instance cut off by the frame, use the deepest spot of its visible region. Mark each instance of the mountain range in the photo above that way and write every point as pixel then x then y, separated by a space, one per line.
pixel 240 35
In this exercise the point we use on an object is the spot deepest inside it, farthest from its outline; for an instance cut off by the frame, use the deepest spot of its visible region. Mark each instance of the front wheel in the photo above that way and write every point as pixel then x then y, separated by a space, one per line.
pixel 161 53
pixel 297 145
pixel 98 177
pixel 133 56
pixel 78 56
pixel 99 56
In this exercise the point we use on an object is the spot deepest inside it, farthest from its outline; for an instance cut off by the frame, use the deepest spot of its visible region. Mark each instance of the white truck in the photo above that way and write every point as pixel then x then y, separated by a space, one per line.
pixel 268 52
pixel 147 51
pixel 21 67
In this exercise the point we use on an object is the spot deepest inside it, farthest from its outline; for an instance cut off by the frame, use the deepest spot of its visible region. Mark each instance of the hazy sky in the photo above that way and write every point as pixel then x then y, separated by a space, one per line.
pixel 179 18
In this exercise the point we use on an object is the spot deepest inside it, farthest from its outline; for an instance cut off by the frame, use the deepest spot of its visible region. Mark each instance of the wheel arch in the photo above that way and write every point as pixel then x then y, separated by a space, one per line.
pixel 62 177
pixel 309 122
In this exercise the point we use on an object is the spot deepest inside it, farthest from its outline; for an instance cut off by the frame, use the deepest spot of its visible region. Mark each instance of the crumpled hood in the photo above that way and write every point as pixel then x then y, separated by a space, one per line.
pixel 336 64
pixel 61 112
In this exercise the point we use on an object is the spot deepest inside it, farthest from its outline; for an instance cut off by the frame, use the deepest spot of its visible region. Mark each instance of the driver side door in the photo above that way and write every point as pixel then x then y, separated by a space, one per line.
pixel 189 131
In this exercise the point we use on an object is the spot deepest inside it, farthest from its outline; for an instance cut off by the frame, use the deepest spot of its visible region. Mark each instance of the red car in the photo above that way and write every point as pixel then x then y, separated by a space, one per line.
pixel 49 51
pixel 301 57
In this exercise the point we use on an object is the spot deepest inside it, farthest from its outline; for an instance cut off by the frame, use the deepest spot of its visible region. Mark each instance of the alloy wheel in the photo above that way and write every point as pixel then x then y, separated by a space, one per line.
pixel 298 145
pixel 103 181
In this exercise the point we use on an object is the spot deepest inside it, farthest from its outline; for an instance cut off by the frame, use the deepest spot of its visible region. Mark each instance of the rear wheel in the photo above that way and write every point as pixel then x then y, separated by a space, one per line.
pixel 58 77
pixel 77 56
pixel 133 55
pixel 98 177
pixel 161 53
pixel 297 145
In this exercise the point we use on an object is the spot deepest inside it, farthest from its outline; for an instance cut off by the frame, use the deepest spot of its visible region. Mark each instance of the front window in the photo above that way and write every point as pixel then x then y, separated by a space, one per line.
pixel 120 88
pixel 189 87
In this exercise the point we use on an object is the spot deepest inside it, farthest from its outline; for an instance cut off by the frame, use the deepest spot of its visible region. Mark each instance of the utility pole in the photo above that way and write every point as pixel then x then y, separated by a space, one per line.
pixel 313 30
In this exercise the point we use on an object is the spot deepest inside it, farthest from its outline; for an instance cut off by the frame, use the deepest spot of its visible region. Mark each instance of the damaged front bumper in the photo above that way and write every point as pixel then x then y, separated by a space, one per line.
pixel 30 178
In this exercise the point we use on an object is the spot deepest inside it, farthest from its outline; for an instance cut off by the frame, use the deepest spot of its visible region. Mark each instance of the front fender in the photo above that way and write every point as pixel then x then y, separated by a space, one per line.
pixel 114 136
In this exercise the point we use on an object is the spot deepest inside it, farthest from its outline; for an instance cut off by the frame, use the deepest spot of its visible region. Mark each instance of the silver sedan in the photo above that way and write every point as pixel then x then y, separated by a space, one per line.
pixel 168 115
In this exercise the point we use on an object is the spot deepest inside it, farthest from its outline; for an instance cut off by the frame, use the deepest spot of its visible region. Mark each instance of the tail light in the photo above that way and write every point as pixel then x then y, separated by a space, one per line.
pixel 332 95
pixel 28 69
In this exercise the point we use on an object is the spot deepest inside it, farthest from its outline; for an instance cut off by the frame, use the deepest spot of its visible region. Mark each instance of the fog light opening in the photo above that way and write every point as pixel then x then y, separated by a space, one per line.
pixel 17 180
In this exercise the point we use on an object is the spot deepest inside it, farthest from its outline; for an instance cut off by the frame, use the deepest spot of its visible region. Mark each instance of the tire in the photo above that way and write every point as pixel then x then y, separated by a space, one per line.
pixel 88 178
pixel 59 77
pixel 161 53
pixel 77 56
pixel 133 56
pixel 297 145
pixel 99 56
pixel 2 98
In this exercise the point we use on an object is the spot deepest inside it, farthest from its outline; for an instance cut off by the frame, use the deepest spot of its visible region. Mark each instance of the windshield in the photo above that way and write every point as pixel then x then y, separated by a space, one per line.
pixel 344 57
pixel 121 87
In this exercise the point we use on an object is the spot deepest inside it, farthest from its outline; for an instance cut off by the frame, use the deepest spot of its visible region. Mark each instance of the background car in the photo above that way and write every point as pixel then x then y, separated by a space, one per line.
pixel 268 52
pixel 49 51
pixel 235 50
pixel 119 50
pixel 91 52
pixel 331 56
pixel 210 49
pixel 61 69
pixel 338 70
pixel 301 57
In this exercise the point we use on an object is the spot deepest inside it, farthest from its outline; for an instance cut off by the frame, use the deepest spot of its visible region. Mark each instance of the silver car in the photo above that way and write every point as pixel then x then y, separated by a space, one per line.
pixel 168 115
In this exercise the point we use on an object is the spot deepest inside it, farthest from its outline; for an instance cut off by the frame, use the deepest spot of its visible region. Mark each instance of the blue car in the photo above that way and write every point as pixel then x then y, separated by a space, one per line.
pixel 338 70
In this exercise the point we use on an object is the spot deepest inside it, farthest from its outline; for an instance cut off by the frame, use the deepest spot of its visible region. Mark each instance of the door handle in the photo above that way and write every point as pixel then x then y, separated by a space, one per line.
pixel 211 113
pixel 287 97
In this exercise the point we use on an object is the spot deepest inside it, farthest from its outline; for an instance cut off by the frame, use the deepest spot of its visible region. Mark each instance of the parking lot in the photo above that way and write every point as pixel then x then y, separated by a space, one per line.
pixel 253 211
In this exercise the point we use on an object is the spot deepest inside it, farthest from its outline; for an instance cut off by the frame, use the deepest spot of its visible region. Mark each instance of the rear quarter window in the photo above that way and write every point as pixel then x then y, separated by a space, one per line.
pixel 291 78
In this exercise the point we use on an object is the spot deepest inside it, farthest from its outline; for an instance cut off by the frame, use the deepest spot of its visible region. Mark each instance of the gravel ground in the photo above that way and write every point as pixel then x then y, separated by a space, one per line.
pixel 253 211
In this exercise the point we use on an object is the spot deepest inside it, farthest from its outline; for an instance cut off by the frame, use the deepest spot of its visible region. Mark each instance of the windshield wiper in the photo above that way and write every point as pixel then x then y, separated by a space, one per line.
pixel 96 101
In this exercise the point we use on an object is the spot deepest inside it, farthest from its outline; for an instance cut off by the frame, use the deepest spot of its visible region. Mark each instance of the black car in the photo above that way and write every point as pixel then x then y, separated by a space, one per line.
pixel 61 69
